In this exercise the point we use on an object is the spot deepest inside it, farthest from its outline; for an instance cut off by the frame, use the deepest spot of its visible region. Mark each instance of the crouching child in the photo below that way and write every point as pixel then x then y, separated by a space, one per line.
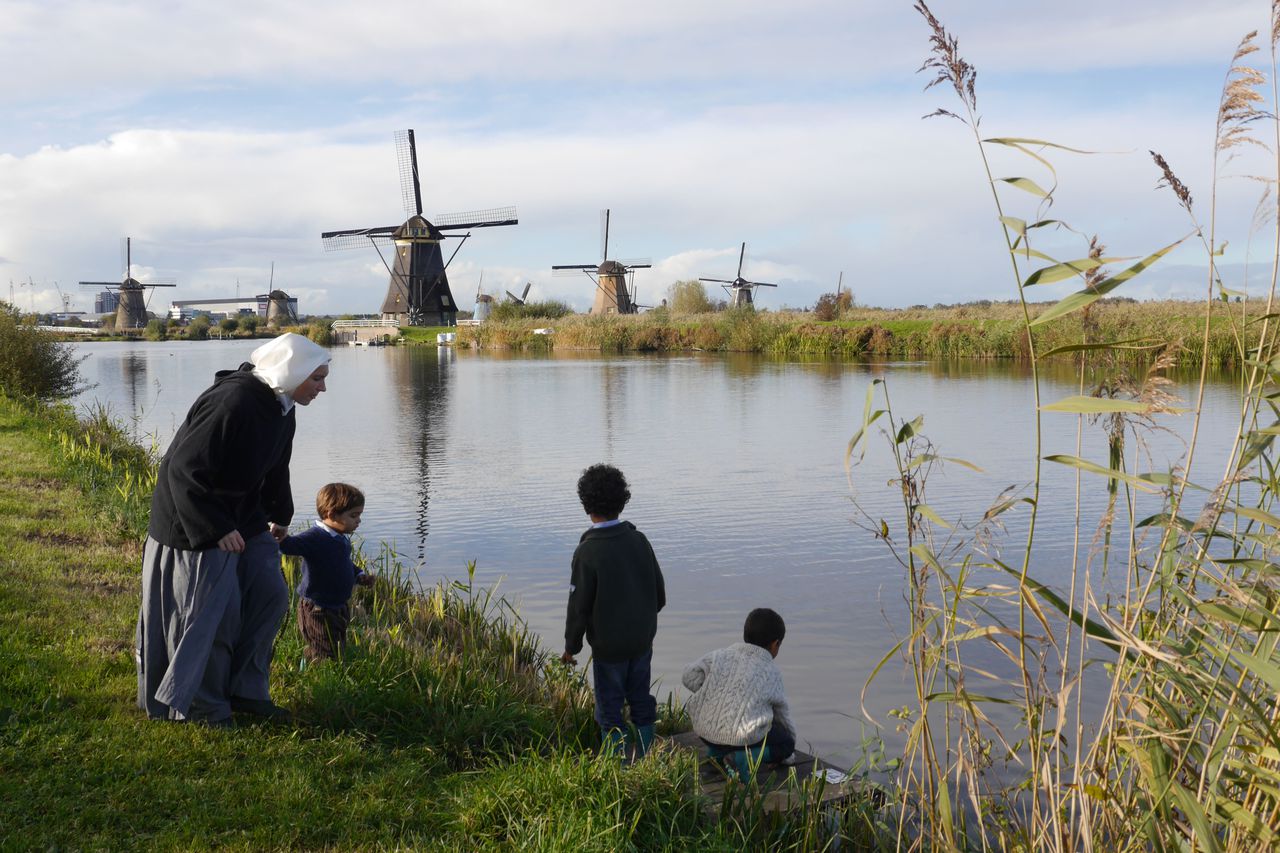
pixel 738 706
pixel 328 572
pixel 615 593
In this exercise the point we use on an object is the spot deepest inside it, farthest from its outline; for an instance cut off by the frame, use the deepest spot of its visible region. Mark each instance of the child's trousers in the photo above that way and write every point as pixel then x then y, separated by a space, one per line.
pixel 323 628
pixel 778 745
pixel 626 681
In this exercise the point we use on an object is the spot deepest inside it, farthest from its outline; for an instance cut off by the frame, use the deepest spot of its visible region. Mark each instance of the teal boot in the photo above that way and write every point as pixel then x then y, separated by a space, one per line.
pixel 745 763
pixel 613 741
pixel 643 741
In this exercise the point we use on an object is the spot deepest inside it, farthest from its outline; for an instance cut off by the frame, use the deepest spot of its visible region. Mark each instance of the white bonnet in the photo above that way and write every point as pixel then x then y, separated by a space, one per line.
pixel 285 362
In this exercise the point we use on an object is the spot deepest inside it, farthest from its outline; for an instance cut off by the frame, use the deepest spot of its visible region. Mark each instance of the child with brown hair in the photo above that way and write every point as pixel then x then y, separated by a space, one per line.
pixel 328 573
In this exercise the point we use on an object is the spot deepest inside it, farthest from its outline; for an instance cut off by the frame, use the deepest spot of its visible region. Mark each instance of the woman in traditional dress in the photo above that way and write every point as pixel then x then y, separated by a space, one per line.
pixel 212 591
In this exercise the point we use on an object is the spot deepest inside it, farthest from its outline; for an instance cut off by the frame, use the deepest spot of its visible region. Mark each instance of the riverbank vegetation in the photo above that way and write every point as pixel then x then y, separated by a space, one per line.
pixel 31 363
pixel 979 330
pixel 1133 703
pixel 447 727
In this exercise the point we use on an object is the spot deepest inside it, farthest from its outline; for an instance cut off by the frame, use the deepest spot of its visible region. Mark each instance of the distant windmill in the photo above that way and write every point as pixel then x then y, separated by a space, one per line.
pixel 610 277
pixel 741 292
pixel 281 311
pixel 418 292
pixel 519 300
pixel 131 313
pixel 484 302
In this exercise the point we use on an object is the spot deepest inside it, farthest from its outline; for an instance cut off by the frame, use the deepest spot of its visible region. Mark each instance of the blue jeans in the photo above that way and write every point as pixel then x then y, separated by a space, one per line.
pixel 616 682
pixel 781 744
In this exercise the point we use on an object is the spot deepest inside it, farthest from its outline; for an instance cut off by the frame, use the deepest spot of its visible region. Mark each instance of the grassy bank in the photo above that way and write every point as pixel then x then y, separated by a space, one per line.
pixel 446 728
pixel 986 331
pixel 424 334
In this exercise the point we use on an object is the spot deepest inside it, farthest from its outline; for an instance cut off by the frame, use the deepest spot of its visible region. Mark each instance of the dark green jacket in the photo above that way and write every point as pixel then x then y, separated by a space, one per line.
pixel 615 593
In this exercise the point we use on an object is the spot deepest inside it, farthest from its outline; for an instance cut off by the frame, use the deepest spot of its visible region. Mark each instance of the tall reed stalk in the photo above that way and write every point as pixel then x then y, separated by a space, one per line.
pixel 1178 746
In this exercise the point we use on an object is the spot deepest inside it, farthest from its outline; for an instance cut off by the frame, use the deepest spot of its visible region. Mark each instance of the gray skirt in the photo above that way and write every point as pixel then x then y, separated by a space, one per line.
pixel 207 628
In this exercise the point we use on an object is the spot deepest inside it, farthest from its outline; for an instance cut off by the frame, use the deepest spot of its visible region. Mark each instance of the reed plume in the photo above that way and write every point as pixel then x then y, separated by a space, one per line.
pixel 947 64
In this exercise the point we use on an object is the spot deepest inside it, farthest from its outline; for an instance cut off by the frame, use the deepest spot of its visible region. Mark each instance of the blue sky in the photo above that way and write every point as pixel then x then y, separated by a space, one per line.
pixel 224 138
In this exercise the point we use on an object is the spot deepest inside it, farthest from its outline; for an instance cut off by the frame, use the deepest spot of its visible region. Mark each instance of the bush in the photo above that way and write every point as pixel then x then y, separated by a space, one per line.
pixel 228 324
pixel 321 333
pixel 156 330
pixel 249 323
pixel 551 309
pixel 831 305
pixel 198 328
pixel 689 297
pixel 32 364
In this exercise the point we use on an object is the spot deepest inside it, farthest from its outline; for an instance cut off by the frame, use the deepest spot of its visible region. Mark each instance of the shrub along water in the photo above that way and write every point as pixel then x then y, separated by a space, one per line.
pixel 32 364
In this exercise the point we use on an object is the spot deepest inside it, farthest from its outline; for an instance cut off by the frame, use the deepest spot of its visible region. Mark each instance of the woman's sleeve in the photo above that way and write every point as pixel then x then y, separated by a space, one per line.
pixel 201 501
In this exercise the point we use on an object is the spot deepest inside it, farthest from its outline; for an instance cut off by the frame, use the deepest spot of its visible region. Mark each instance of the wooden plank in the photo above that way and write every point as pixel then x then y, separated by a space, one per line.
pixel 778 783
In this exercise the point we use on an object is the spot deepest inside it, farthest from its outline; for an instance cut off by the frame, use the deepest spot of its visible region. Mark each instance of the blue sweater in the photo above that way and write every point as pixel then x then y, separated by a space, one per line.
pixel 328 575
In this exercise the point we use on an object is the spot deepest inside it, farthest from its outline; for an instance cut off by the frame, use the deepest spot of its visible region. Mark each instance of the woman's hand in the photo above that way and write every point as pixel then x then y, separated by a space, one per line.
pixel 232 542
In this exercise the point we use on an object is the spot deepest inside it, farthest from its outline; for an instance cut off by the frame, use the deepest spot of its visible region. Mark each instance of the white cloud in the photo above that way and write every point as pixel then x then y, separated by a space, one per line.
pixel 826 177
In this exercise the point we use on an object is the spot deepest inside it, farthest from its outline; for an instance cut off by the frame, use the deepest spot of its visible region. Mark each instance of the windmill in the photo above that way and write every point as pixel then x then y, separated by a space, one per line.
pixel 281 310
pixel 484 302
pixel 418 292
pixel 611 277
pixel 131 313
pixel 741 292
pixel 520 300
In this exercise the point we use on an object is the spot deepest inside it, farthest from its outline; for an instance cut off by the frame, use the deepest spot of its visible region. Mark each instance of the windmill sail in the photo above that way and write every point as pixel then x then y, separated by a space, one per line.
pixel 418 290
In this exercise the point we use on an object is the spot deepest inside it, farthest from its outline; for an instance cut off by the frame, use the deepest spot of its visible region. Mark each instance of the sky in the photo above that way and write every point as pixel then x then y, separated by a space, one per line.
pixel 224 138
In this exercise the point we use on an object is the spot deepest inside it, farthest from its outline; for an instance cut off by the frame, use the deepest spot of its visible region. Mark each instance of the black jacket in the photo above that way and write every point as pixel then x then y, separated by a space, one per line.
pixel 615 593
pixel 227 467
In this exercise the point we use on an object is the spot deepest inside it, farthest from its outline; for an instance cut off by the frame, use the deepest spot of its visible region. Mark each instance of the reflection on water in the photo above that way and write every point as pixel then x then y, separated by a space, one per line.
pixel 736 468
pixel 133 368
pixel 422 378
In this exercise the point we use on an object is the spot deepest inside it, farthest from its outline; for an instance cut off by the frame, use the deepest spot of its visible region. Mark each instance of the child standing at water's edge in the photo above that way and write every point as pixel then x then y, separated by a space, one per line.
pixel 738 706
pixel 328 572
pixel 615 593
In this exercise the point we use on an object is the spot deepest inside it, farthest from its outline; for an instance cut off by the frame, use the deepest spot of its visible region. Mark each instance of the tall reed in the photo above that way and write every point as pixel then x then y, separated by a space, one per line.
pixel 1144 694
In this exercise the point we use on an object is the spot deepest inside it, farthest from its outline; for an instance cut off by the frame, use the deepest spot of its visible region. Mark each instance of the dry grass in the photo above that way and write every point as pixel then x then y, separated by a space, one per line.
pixel 987 330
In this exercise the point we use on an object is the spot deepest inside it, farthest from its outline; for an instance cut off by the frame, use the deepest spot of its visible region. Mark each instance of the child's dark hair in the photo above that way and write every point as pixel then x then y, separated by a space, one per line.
pixel 603 491
pixel 334 499
pixel 763 627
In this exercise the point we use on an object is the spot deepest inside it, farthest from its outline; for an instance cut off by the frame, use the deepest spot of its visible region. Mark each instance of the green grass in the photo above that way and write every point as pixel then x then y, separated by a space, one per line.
pixel 423 334
pixel 446 726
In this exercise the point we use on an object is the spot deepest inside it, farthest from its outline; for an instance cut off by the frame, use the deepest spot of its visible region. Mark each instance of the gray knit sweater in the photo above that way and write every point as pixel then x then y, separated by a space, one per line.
pixel 737 694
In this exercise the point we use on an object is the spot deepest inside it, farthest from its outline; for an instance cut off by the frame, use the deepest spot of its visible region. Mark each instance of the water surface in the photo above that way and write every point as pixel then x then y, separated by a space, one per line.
pixel 736 470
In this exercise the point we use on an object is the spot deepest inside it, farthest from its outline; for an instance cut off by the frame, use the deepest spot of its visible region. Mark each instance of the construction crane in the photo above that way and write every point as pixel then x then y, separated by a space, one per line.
pixel 65 299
